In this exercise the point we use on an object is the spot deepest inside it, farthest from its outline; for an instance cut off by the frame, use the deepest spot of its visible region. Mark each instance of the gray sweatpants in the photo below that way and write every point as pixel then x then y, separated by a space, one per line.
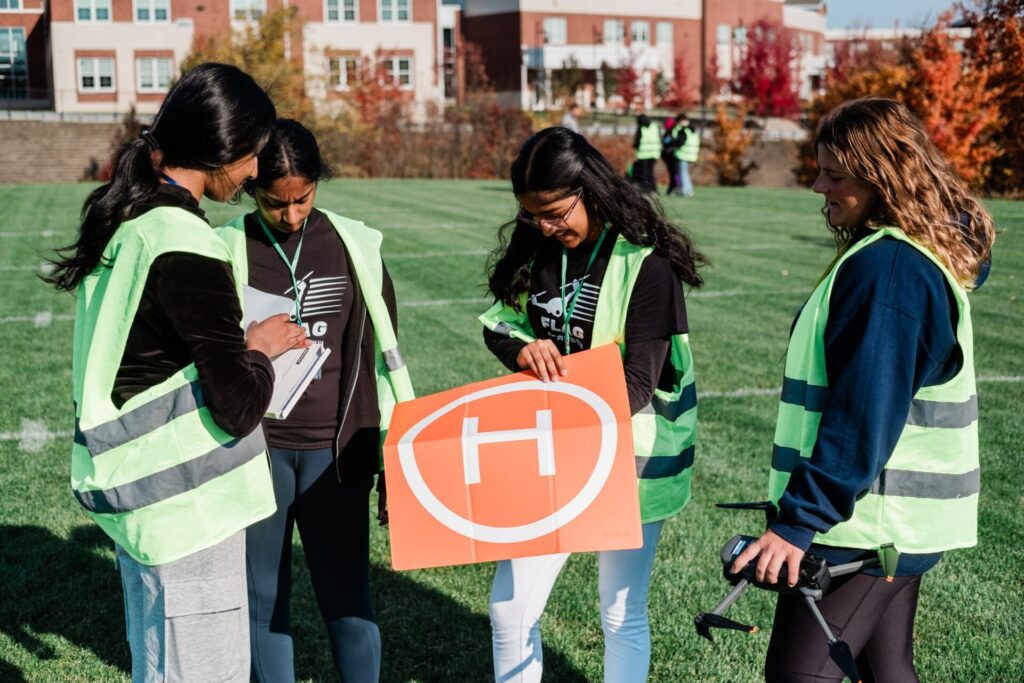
pixel 188 620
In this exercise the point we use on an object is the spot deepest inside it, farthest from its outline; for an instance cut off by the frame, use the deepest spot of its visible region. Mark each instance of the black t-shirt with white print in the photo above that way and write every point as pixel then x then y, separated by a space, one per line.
pixel 656 307
pixel 325 297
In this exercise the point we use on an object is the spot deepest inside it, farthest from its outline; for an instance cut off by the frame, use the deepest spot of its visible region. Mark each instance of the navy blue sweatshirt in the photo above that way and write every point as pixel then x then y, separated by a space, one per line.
pixel 891 330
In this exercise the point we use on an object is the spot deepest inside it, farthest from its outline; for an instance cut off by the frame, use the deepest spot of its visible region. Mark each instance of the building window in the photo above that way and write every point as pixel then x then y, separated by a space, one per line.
pixel 398 71
pixel 555 31
pixel 10 4
pixel 341 10
pixel 640 32
pixel 664 34
pixel 723 33
pixel 152 10
pixel 342 72
pixel 96 74
pixel 248 10
pixel 739 35
pixel 394 10
pixel 614 31
pixel 13 65
pixel 154 74
pixel 92 10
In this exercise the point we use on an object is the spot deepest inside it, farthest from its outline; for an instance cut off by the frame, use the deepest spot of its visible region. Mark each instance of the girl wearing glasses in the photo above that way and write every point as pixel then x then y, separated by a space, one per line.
pixel 325 454
pixel 590 260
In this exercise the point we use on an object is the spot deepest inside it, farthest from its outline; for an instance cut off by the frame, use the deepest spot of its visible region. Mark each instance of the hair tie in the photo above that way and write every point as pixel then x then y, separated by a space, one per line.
pixel 147 136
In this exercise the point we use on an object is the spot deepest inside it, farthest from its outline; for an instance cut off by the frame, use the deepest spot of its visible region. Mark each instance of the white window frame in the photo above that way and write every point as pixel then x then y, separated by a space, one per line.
pixel 144 64
pixel 343 62
pixel 556 30
pixel 94 6
pixel 664 34
pixel 614 32
pixel 739 36
pixel 341 8
pixel 637 37
pixel 393 8
pixel 13 63
pixel 392 71
pixel 151 7
pixel 253 10
pixel 11 5
pixel 95 64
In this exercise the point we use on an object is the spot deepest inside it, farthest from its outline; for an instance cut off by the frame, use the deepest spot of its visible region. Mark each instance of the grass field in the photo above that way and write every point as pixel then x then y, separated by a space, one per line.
pixel 60 598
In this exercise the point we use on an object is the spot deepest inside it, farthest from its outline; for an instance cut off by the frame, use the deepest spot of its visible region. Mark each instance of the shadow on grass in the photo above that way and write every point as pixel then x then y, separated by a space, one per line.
pixel 426 635
pixel 63 587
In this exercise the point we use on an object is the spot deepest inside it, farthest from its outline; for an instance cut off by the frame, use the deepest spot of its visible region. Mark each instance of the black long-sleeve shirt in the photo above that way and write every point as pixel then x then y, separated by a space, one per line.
pixel 891 330
pixel 189 312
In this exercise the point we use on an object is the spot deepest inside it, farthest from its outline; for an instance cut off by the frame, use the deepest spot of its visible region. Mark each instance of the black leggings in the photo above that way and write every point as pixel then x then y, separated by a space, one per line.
pixel 874 617
pixel 333 521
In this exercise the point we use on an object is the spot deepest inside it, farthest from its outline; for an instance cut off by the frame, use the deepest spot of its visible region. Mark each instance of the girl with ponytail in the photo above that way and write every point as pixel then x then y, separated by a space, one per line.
pixel 169 390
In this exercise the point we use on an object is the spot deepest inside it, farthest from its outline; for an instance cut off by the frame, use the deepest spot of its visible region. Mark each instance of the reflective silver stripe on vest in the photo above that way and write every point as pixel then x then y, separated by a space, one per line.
pixel 140 421
pixel 503 328
pixel 943 414
pixel 662 466
pixel 923 413
pixel 175 480
pixel 799 393
pixel 784 459
pixel 671 410
pixel 914 484
pixel 393 359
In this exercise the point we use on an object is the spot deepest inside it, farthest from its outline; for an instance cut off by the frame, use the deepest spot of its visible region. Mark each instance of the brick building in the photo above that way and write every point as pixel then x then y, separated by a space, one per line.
pixel 24 54
pixel 105 56
pixel 526 42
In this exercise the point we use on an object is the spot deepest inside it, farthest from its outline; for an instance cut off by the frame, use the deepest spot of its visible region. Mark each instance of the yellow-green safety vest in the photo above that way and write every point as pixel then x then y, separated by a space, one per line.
pixel 363 246
pixel 690 149
pixel 158 474
pixel 650 142
pixel 665 430
pixel 926 498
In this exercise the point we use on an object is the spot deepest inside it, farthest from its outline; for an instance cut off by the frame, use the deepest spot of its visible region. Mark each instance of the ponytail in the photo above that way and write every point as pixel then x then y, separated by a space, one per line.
pixel 214 115
pixel 134 181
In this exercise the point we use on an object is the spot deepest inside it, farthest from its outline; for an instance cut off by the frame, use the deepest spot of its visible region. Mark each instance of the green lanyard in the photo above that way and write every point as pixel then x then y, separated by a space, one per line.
pixel 292 264
pixel 568 306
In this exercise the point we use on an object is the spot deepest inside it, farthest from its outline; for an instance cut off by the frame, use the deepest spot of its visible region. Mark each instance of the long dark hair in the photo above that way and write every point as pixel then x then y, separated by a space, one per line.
pixel 559 160
pixel 291 151
pixel 213 116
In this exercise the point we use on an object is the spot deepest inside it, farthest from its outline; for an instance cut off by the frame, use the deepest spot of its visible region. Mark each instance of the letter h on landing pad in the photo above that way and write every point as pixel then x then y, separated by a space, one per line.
pixel 472 438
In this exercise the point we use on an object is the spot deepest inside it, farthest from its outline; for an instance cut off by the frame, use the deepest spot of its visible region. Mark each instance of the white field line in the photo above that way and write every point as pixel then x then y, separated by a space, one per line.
pixel 435 254
pixel 33 435
pixel 43 268
pixel 39 319
pixel 29 233
pixel 692 295
pixel 775 391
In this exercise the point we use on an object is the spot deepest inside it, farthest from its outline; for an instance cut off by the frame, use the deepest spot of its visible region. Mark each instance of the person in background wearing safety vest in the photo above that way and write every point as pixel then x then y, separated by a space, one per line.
pixel 686 150
pixel 877 434
pixel 168 456
pixel 668 149
pixel 590 260
pixel 647 143
pixel 325 454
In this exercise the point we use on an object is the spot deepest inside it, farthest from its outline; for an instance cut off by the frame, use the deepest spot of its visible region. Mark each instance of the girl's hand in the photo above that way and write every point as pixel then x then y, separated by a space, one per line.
pixel 543 358
pixel 771 552
pixel 275 335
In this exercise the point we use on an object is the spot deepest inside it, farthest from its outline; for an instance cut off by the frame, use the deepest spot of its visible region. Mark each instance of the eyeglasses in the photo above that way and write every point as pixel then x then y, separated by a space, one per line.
pixel 526 218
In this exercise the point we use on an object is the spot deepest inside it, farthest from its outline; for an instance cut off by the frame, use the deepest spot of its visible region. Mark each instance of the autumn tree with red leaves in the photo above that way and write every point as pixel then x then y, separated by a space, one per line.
pixel 955 100
pixel 628 85
pixel 676 94
pixel 765 75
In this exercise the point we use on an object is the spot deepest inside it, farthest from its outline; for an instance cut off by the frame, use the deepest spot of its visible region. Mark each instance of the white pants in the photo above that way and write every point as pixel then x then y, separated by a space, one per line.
pixel 520 592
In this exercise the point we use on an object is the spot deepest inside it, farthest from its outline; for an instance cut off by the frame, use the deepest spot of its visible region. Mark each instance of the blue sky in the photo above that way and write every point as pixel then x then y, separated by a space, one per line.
pixel 884 13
